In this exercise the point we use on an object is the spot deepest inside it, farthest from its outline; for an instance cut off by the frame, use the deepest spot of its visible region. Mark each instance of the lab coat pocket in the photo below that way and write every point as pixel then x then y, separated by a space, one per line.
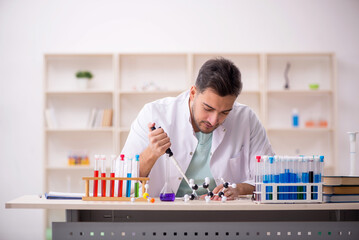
pixel 238 167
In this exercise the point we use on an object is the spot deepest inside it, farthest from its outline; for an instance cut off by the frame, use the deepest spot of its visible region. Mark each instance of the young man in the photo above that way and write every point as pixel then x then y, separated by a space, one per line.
pixel 209 133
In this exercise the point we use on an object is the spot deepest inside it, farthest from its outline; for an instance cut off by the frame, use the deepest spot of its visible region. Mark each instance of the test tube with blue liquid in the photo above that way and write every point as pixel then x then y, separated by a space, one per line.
pixel 311 174
pixel 266 175
pixel 129 175
pixel 277 174
pixel 318 169
pixel 284 177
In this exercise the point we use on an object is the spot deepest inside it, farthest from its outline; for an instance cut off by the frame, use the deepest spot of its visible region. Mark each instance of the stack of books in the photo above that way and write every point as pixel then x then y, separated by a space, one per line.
pixel 100 118
pixel 341 189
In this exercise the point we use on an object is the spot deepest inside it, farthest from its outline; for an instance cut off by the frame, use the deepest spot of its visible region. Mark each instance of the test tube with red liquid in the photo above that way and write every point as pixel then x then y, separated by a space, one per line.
pixel 112 174
pixel 95 174
pixel 103 174
pixel 121 168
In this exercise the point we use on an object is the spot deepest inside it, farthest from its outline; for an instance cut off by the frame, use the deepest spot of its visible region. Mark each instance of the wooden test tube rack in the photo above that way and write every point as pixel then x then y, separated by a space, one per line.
pixel 108 198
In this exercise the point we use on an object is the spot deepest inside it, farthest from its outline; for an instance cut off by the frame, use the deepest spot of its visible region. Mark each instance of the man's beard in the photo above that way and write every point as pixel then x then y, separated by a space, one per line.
pixel 205 122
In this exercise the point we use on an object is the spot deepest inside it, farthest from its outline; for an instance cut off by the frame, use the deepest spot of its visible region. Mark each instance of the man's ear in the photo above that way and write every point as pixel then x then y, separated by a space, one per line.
pixel 192 92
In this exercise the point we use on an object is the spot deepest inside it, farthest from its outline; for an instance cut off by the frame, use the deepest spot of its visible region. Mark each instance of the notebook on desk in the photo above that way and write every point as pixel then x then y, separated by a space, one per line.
pixel 63 195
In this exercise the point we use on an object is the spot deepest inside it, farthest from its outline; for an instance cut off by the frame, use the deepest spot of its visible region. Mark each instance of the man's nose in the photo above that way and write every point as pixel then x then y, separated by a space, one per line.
pixel 213 119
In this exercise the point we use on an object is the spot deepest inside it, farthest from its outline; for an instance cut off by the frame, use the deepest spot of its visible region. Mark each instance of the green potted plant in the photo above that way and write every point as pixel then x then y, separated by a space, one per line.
pixel 83 78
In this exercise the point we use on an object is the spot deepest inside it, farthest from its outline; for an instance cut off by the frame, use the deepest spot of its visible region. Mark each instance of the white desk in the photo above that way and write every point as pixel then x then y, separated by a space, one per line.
pixel 240 219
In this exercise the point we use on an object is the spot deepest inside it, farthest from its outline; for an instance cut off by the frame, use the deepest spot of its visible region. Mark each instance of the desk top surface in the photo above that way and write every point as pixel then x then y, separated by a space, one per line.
pixel 36 202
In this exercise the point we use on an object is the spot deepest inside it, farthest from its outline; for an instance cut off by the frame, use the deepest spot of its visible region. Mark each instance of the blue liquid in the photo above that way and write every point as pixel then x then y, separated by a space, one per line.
pixel 169 197
pixel 128 187
pixel 295 121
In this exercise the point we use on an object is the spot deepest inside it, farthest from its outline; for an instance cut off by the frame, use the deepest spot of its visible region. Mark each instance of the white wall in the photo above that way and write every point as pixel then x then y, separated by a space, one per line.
pixel 30 28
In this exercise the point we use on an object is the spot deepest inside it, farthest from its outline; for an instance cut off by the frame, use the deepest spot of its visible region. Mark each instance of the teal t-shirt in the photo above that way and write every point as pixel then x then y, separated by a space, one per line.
pixel 199 169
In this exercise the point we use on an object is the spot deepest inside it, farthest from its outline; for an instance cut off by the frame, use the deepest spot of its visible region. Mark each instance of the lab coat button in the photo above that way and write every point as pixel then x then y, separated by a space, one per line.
pixel 180 178
pixel 191 153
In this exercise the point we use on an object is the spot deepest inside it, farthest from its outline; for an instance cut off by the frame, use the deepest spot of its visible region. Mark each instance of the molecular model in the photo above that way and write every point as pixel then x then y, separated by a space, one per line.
pixel 145 195
pixel 210 194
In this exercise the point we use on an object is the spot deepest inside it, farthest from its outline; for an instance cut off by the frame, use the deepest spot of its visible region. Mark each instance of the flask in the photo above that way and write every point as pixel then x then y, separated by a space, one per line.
pixel 166 193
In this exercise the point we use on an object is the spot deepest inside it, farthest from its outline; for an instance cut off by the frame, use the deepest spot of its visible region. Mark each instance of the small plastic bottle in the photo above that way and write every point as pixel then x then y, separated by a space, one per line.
pixel 295 117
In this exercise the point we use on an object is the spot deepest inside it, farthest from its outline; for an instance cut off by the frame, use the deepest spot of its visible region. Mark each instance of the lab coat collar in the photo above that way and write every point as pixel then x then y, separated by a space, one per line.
pixel 218 136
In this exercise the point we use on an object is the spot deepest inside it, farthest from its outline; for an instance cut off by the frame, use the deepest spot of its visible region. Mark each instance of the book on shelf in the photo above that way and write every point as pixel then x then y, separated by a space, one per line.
pixel 50 118
pixel 341 180
pixel 91 121
pixel 340 198
pixel 100 118
pixel 107 118
pixel 341 189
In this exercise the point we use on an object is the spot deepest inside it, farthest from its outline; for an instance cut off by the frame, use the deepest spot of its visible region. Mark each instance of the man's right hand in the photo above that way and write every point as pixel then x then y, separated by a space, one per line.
pixel 159 142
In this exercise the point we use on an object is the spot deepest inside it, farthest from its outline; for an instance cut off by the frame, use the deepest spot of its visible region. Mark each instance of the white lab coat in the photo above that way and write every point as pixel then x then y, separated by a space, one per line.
pixel 235 143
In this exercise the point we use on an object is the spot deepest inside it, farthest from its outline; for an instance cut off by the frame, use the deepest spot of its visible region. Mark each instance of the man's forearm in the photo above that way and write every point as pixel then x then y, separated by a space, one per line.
pixel 147 160
pixel 245 188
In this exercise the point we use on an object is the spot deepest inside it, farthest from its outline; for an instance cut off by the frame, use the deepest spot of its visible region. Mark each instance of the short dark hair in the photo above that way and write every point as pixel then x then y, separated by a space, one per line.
pixel 221 75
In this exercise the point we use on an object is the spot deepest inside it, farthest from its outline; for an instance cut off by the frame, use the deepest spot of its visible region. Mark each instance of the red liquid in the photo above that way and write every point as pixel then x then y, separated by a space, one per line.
pixel 112 185
pixel 103 185
pixel 95 183
pixel 120 183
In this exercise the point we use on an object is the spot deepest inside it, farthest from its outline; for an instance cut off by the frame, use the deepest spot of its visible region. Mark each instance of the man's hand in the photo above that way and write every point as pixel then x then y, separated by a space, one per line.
pixel 159 142
pixel 233 193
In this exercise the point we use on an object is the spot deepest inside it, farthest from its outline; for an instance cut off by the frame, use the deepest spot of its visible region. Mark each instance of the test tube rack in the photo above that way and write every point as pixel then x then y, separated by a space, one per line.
pixel 87 196
pixel 294 193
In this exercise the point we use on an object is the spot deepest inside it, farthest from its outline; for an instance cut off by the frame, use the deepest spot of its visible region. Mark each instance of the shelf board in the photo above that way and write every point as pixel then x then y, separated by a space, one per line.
pixel 314 129
pixel 314 92
pixel 89 91
pixel 69 168
pixel 124 129
pixel 110 129
pixel 301 54
pixel 250 92
pixel 150 92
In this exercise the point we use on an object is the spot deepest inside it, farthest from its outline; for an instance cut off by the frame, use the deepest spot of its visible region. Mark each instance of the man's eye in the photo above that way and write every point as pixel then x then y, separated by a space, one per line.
pixel 207 109
pixel 225 113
